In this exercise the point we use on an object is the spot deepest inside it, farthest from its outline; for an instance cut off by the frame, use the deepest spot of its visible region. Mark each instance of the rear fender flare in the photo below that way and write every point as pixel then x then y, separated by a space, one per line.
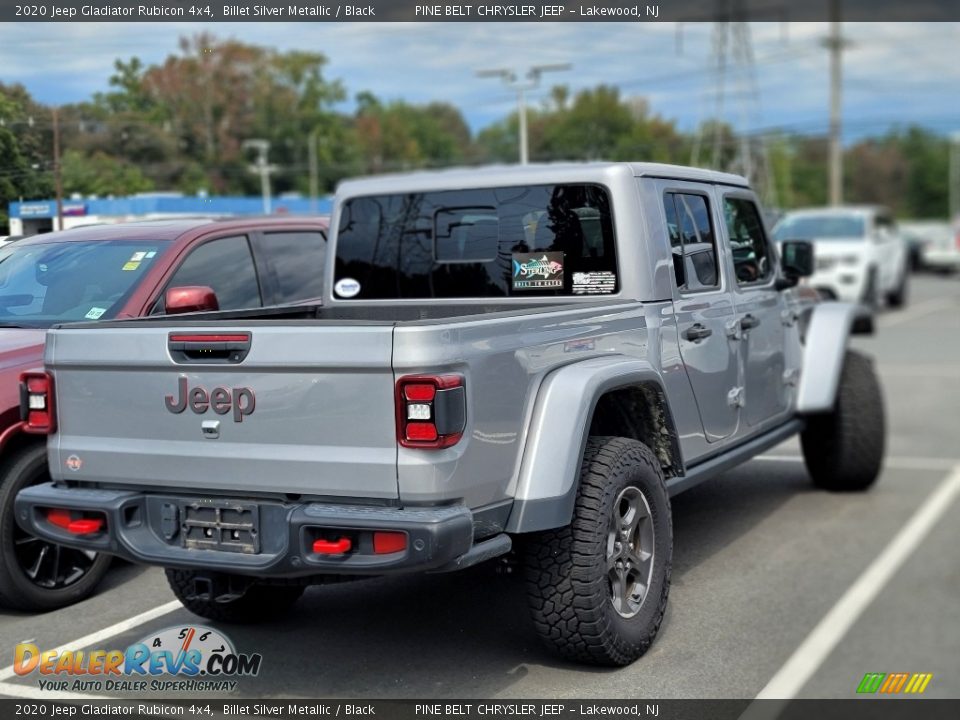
pixel 547 482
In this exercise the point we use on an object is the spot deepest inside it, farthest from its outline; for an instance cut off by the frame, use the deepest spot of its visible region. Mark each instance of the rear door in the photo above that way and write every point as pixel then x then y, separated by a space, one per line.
pixel 703 306
pixel 289 407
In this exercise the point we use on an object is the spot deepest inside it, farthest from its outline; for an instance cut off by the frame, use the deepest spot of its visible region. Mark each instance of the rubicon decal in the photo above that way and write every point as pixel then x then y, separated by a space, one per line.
pixel 187 658
pixel 894 683
pixel 221 400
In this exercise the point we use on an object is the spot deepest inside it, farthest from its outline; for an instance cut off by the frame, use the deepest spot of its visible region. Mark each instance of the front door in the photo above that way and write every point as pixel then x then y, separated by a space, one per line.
pixel 704 307
pixel 759 308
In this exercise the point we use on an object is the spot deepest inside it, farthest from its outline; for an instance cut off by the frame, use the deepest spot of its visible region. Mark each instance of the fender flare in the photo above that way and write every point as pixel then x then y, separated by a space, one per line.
pixel 828 331
pixel 556 437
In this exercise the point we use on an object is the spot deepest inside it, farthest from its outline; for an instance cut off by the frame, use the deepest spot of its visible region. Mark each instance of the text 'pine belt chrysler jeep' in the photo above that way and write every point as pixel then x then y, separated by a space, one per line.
pixel 527 360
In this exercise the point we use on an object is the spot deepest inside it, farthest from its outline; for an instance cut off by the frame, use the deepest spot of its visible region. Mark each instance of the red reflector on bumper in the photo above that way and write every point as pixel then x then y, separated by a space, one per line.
pixel 85 526
pixel 82 526
pixel 385 543
pixel 332 547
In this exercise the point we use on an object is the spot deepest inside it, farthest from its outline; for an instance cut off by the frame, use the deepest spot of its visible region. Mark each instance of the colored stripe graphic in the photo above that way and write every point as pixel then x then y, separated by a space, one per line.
pixel 894 683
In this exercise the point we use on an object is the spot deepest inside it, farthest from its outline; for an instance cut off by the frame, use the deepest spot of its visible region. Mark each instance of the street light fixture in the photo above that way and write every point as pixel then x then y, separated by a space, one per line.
pixel 530 80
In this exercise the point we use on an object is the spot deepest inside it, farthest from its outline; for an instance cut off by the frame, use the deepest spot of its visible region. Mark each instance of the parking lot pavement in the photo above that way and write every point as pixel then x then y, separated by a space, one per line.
pixel 761 562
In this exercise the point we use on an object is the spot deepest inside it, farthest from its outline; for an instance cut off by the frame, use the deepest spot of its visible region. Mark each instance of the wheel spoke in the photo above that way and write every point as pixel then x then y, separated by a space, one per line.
pixel 34 569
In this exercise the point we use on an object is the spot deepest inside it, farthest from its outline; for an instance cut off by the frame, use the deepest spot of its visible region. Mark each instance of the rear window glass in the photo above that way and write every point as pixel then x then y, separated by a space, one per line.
pixel 498 242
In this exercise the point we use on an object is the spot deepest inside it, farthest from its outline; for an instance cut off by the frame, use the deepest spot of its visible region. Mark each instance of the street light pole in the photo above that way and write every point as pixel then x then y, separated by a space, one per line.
pixel 530 81
pixel 314 182
pixel 57 172
pixel 262 168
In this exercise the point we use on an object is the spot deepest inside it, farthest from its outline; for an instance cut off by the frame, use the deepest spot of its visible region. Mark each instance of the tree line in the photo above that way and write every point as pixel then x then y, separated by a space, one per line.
pixel 180 125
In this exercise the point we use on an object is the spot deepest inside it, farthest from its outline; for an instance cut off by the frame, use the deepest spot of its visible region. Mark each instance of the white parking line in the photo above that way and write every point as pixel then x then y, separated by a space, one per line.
pixel 896 462
pixel 93 638
pixel 918 310
pixel 810 655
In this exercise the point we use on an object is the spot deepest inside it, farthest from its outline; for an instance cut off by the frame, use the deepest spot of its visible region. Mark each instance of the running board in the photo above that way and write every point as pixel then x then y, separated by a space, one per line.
pixel 733 457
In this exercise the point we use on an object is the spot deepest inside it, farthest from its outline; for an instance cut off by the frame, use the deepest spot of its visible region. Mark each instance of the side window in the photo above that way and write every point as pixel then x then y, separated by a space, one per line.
pixel 748 241
pixel 692 241
pixel 295 260
pixel 225 265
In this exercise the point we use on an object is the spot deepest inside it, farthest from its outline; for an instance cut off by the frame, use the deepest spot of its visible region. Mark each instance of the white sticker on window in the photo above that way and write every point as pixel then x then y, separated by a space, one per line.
pixel 347 288
pixel 94 313
pixel 137 256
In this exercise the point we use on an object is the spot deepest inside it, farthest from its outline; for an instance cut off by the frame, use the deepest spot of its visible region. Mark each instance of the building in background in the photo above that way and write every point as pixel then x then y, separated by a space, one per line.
pixel 32 217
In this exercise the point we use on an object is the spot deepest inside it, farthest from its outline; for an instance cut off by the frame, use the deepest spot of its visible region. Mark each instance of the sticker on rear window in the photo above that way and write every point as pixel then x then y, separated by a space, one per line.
pixel 537 271
pixel 347 288
pixel 594 283
pixel 94 313
pixel 138 256
pixel 150 254
pixel 131 265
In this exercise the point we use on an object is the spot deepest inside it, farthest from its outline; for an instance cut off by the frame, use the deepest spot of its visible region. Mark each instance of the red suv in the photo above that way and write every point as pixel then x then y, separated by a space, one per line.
pixel 121 271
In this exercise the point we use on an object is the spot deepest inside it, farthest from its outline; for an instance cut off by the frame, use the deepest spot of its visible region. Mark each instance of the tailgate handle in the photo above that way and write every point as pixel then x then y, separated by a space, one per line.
pixel 209 347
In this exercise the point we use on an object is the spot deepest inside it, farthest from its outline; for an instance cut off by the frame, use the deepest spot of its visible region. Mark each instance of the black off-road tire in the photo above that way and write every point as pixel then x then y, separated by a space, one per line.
pixel 843 449
pixel 898 298
pixel 259 603
pixel 75 575
pixel 871 291
pixel 568 585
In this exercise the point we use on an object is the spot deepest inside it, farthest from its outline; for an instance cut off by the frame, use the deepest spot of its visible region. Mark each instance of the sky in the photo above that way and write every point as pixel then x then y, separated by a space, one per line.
pixel 894 73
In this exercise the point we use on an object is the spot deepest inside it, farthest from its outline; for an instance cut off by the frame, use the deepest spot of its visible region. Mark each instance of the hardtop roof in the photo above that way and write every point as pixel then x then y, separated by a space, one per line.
pixel 537 173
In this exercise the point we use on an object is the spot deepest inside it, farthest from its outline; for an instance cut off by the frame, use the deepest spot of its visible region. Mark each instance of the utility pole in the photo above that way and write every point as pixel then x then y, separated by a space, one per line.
pixel 835 44
pixel 262 168
pixel 530 81
pixel 314 183
pixel 57 177
pixel 954 185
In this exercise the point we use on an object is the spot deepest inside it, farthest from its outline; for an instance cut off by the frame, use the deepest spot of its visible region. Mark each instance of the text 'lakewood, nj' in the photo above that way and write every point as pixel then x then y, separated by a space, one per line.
pixel 597 12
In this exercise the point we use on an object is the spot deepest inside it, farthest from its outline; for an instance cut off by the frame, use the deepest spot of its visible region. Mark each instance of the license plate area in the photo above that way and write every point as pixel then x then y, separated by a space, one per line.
pixel 222 525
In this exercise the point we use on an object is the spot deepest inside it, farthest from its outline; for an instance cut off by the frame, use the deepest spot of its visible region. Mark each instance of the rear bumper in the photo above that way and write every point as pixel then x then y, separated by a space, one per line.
pixel 941 259
pixel 150 528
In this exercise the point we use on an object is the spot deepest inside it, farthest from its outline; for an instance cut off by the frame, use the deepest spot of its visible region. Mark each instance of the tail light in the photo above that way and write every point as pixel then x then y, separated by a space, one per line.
pixel 36 403
pixel 431 410
pixel 957 240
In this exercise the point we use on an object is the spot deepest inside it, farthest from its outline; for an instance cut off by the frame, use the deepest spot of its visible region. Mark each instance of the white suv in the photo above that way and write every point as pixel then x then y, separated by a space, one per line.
pixel 860 255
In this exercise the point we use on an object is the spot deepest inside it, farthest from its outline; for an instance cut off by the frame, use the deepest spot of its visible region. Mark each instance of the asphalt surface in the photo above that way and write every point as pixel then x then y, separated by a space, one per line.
pixel 761 559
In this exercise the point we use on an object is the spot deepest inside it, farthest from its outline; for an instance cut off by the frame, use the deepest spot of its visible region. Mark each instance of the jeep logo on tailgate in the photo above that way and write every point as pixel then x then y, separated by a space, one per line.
pixel 221 400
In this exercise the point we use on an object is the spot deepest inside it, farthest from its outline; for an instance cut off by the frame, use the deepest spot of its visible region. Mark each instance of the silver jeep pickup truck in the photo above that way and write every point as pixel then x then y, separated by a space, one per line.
pixel 508 360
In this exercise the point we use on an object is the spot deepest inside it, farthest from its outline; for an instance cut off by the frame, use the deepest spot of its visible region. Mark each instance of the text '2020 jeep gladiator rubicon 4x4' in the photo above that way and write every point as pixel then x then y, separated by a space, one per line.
pixel 535 357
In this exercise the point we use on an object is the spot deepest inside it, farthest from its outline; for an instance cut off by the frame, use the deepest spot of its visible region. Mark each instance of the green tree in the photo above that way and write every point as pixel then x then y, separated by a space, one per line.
pixel 101 174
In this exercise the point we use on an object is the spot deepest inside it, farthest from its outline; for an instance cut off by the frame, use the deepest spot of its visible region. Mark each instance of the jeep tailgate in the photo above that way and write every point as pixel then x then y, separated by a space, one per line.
pixel 299 408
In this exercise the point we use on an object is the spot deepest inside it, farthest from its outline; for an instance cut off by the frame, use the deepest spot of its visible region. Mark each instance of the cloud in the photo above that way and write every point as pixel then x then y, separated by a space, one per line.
pixel 894 72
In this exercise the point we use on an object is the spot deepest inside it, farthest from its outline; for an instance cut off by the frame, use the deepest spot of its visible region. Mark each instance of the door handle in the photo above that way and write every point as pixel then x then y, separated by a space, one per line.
pixel 697 332
pixel 748 322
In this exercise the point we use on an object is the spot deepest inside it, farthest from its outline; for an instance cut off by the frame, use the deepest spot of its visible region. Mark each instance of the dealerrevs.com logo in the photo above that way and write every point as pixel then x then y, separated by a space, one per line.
pixel 182 658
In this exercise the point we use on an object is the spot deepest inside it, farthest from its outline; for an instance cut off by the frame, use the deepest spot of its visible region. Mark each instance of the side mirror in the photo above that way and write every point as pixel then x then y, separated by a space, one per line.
pixel 796 261
pixel 191 298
